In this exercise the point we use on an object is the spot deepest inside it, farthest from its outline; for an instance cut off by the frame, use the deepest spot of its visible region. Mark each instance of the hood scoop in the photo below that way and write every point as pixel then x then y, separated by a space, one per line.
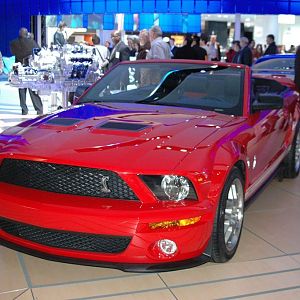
pixel 133 127
pixel 62 121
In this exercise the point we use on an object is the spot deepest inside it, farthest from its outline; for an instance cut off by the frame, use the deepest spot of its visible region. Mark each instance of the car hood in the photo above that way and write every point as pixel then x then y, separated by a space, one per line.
pixel 113 136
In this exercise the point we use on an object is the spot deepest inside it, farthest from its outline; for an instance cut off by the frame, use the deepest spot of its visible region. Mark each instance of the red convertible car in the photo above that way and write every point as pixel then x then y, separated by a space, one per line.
pixel 150 169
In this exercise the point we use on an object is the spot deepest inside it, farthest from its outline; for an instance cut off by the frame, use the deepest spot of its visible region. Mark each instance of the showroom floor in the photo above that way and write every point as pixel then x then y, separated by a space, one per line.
pixel 266 265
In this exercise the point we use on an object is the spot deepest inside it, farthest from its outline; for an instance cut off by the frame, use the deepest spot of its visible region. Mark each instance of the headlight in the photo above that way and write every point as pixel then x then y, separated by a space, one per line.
pixel 175 187
pixel 170 187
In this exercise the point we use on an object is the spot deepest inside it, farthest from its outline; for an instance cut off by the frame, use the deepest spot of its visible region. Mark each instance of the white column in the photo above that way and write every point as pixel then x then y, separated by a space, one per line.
pixel 263 26
pixel 39 29
pixel 237 27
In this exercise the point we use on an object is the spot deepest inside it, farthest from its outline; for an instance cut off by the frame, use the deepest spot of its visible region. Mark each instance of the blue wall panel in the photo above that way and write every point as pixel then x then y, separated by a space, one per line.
pixel 200 7
pixel 187 6
pixel 65 7
pixel 99 7
pixel 87 7
pixel 76 6
pixel 111 6
pixel 170 23
pixel 124 6
pixel 146 21
pixel 136 6
pixel 283 7
pixel 128 22
pixel 295 7
pixel 148 6
pixel 162 6
pixel 194 23
pixel 214 6
pixel 228 7
pixel 109 21
pixel 17 13
pixel 175 6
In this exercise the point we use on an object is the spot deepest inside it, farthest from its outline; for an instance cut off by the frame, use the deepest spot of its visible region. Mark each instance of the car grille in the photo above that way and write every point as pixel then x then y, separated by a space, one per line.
pixel 66 240
pixel 65 179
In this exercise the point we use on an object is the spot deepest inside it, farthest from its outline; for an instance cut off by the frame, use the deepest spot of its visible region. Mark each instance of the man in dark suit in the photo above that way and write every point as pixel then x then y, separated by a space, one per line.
pixel 201 52
pixel 120 52
pixel 272 47
pixel 186 51
pixel 245 54
pixel 22 48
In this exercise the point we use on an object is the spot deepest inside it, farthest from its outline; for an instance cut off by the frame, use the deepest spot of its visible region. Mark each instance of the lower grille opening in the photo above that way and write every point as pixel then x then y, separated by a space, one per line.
pixel 65 239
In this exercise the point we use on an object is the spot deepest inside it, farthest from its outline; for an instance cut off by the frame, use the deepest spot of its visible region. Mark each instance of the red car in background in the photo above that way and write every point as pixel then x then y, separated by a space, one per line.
pixel 150 170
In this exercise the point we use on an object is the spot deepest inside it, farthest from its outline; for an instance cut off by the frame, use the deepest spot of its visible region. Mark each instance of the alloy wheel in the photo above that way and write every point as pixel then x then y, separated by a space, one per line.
pixel 234 214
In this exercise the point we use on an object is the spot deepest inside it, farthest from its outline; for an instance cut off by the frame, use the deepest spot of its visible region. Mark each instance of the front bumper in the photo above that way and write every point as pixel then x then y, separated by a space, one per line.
pixel 126 267
pixel 88 215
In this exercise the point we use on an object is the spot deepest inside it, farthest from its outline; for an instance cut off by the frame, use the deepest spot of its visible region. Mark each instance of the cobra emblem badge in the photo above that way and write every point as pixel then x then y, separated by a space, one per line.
pixel 104 181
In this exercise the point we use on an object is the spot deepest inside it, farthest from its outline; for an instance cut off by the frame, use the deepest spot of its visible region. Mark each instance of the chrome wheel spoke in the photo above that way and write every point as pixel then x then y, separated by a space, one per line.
pixel 233 214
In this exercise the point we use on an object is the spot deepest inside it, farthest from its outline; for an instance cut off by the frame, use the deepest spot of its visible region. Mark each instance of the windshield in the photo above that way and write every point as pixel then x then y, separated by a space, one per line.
pixel 282 64
pixel 209 87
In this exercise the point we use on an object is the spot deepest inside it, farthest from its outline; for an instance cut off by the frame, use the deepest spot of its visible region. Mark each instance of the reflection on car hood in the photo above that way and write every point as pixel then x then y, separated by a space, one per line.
pixel 111 135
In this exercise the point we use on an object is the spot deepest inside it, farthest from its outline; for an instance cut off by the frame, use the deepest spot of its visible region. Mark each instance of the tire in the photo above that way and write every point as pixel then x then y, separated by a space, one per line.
pixel 292 159
pixel 231 208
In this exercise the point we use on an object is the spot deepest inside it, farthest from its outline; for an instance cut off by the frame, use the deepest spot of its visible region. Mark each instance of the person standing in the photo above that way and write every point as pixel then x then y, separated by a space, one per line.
pixel 201 53
pixel 230 54
pixel 245 54
pixel 144 44
pixel 258 52
pixel 131 45
pixel 272 47
pixel 186 51
pixel 22 49
pixel 236 49
pixel 101 53
pixel 60 36
pixel 214 51
pixel 203 43
pixel 159 49
pixel 297 69
pixel 120 52
pixel 107 45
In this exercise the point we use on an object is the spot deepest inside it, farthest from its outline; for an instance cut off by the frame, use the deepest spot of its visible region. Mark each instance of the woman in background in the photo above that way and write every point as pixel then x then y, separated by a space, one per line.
pixel 257 52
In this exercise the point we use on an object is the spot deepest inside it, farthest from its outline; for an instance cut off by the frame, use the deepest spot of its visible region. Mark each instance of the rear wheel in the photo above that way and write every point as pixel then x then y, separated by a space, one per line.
pixel 292 160
pixel 229 218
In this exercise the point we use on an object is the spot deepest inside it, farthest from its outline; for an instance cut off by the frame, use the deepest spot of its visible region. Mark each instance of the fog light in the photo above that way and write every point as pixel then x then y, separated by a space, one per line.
pixel 167 247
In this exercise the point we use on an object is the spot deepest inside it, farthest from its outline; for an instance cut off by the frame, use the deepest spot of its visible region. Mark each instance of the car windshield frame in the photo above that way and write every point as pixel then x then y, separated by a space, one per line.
pixel 213 87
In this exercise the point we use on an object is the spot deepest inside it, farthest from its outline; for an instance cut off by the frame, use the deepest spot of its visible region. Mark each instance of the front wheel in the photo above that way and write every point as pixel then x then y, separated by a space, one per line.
pixel 292 160
pixel 229 218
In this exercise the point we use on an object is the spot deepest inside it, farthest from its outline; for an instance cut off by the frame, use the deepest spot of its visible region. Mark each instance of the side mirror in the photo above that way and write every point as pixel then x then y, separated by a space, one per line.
pixel 80 91
pixel 267 101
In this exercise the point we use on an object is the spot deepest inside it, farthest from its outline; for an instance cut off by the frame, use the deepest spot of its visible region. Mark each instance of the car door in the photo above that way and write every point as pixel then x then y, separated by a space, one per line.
pixel 265 149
